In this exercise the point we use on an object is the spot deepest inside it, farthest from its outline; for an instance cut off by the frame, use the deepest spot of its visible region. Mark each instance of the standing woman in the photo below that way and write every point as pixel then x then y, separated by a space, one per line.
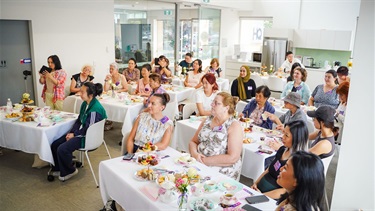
pixel 298 85
pixel 132 73
pixel 53 93
pixel 79 79
pixel 62 149
pixel 205 97
pixel 143 85
pixel 114 80
pixel 325 94
pixel 243 87
pixel 214 68
pixel 193 78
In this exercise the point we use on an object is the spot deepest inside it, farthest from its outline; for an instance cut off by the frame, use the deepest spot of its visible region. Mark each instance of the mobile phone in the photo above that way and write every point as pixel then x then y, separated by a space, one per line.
pixel 156 61
pixel 45 68
pixel 265 151
pixel 248 207
pixel 128 156
pixel 257 199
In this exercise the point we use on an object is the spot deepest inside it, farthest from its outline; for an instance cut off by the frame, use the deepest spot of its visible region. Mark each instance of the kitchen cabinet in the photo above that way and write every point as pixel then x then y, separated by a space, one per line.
pixel 327 39
pixel 342 40
pixel 232 68
pixel 312 39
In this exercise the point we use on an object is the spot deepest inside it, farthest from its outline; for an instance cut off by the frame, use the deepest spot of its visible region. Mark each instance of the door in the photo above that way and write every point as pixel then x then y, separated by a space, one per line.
pixel 14 46
pixel 280 51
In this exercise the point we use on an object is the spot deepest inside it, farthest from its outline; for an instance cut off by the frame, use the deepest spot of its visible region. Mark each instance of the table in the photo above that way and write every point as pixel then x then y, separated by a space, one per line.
pixel 223 83
pixel 30 138
pixel 253 165
pixel 116 178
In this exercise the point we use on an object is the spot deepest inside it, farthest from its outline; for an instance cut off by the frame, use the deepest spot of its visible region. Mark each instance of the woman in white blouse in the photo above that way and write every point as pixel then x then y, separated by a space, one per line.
pixel 205 97
pixel 193 78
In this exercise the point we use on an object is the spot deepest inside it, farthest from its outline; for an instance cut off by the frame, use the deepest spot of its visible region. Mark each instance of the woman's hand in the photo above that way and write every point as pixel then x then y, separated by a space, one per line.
pixel 240 115
pixel 199 157
pixel 255 187
pixel 280 127
pixel 270 116
pixel 69 136
pixel 46 74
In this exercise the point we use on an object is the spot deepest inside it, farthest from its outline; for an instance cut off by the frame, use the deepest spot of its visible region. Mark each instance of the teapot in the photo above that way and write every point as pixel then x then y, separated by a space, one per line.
pixel 167 195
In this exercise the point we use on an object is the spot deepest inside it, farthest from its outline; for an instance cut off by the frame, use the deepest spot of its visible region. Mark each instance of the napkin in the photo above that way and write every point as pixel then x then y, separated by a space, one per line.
pixel 150 191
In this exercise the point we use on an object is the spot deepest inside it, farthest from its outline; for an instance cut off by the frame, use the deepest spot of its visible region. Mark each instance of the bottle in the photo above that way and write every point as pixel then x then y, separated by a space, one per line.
pixel 184 71
pixel 9 105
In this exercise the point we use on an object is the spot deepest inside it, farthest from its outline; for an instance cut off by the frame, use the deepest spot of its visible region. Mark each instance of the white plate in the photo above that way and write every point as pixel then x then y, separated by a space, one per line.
pixel 191 160
pixel 193 204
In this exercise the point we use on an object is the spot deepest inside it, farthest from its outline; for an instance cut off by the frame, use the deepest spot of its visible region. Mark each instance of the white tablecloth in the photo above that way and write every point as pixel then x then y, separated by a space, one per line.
pixel 223 83
pixel 29 138
pixel 253 165
pixel 116 178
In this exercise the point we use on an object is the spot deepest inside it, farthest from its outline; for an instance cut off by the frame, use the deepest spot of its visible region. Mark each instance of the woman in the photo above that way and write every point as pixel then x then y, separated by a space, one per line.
pixel 256 107
pixel 62 149
pixel 324 141
pixel 155 84
pixel 295 138
pixel 303 178
pixel 132 73
pixel 53 93
pixel 115 80
pixel 143 85
pixel 214 68
pixel 151 126
pixel 205 97
pixel 218 140
pixel 243 87
pixel 325 94
pixel 292 103
pixel 163 69
pixel 343 92
pixel 79 79
pixel 193 78
pixel 294 66
pixel 298 85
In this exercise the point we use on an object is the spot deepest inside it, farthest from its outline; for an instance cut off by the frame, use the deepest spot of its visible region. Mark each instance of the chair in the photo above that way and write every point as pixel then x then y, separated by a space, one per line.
pixel 188 109
pixel 276 86
pixel 326 161
pixel 171 110
pixel 94 139
pixel 69 104
pixel 242 159
pixel 257 79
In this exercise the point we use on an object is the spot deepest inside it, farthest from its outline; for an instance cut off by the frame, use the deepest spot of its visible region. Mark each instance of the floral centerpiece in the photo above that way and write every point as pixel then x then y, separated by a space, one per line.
pixel 182 183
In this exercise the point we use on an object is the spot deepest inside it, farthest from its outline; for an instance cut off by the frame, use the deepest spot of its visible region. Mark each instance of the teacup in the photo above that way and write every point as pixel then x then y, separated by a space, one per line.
pixel 228 199
pixel 197 189
pixel 210 186
pixel 193 118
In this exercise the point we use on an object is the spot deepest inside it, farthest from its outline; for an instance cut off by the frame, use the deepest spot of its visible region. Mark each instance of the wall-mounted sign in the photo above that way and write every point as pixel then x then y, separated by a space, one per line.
pixel 25 61
pixel 167 12
pixel 206 1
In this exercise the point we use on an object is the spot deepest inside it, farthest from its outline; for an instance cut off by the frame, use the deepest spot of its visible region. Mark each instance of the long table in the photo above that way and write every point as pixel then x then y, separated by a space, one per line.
pixel 223 83
pixel 116 178
pixel 31 138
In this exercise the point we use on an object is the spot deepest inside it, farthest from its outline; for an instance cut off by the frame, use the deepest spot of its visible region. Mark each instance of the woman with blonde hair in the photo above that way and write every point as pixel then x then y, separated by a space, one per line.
pixel 79 79
pixel 243 87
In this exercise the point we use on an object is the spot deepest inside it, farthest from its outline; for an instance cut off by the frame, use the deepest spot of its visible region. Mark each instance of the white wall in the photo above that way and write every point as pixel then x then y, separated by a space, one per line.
pixel 78 32
pixel 354 184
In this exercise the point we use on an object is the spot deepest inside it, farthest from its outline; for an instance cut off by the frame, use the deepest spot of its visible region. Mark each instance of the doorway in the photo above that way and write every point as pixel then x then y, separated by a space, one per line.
pixel 15 61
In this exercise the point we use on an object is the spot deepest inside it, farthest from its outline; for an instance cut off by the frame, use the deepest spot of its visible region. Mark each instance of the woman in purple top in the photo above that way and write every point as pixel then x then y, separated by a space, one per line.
pixel 155 84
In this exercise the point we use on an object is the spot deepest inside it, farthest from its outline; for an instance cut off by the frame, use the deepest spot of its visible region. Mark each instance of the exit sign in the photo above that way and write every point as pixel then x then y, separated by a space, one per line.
pixel 206 1
pixel 167 12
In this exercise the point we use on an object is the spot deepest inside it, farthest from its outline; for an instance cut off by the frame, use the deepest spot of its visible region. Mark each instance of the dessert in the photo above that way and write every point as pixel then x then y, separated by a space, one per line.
pixel 247 141
pixel 26 98
pixel 12 115
pixel 148 147
pixel 202 204
pixel 147 160
pixel 146 174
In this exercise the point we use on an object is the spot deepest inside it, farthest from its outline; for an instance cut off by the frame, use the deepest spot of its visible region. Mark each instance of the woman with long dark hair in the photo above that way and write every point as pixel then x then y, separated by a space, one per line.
pixel 193 78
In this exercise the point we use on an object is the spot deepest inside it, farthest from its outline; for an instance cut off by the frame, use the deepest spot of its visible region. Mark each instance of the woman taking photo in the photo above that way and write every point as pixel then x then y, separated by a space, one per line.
pixel 132 73
pixel 79 79
pixel 62 149
pixel 193 78
pixel 214 68
pixel 114 80
pixel 325 94
pixel 143 85
pixel 151 126
pixel 298 85
pixel 205 97
pixel 53 93
pixel 162 68
pixel 303 178
pixel 295 138
pixel 256 107
pixel 218 140
pixel 243 87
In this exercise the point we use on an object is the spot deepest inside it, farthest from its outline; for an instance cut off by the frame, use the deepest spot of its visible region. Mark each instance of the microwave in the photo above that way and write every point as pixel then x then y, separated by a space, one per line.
pixel 257 57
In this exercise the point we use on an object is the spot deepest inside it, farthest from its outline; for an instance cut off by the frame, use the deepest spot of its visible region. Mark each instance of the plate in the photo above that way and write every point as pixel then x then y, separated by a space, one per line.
pixel 202 204
pixel 139 178
pixel 29 102
pixel 13 116
pixel 190 160
pixel 230 185
pixel 148 159
pixel 147 150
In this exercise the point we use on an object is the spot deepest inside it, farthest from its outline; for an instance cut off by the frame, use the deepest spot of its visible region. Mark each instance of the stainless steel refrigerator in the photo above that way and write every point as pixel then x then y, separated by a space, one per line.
pixel 273 52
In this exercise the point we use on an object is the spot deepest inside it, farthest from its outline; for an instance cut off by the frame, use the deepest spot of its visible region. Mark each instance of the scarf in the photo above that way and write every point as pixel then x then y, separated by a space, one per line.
pixel 241 81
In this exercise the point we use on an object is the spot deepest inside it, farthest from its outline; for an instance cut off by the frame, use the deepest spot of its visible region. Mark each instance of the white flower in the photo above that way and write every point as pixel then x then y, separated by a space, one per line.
pixel 192 172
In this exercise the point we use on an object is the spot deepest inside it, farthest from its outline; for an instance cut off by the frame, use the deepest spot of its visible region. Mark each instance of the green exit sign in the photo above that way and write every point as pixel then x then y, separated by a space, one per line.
pixel 206 1
pixel 167 12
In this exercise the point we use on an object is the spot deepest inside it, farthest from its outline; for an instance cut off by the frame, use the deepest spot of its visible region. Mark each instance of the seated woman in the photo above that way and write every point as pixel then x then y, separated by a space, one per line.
pixel 62 149
pixel 214 68
pixel 132 73
pixel 294 66
pixel 292 103
pixel 151 126
pixel 157 88
pixel 324 140
pixel 114 80
pixel 303 178
pixel 243 87
pixel 143 85
pixel 79 79
pixel 325 94
pixel 205 97
pixel 162 69
pixel 343 92
pixel 193 78
pixel 218 140
pixel 256 107
pixel 298 85
pixel 295 138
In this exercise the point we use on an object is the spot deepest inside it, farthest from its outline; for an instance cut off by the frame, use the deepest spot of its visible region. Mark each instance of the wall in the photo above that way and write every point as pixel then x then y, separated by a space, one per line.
pixel 354 184
pixel 78 32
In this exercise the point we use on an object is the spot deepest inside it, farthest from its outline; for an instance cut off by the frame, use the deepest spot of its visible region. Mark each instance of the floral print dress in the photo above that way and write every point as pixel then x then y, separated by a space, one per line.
pixel 215 142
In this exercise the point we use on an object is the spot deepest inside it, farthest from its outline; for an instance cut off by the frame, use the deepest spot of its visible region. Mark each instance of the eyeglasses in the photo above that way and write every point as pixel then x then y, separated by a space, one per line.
pixel 215 103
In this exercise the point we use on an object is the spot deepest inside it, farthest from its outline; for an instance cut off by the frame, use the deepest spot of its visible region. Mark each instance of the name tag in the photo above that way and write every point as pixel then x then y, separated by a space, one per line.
pixel 277 165
pixel 249 88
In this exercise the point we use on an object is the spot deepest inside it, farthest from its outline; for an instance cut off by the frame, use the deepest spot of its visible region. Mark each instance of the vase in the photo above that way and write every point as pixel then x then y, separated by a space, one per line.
pixel 182 201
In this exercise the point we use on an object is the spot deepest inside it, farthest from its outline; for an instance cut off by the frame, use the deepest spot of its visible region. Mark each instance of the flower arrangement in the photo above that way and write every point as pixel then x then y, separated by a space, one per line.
pixel 114 85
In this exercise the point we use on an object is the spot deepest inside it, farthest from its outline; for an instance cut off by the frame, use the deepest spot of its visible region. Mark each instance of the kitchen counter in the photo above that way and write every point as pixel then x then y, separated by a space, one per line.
pixel 232 67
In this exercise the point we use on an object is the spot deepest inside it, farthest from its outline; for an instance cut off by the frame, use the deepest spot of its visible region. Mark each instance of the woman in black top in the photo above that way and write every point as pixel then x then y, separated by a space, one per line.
pixel 295 138
pixel 243 87
pixel 79 79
